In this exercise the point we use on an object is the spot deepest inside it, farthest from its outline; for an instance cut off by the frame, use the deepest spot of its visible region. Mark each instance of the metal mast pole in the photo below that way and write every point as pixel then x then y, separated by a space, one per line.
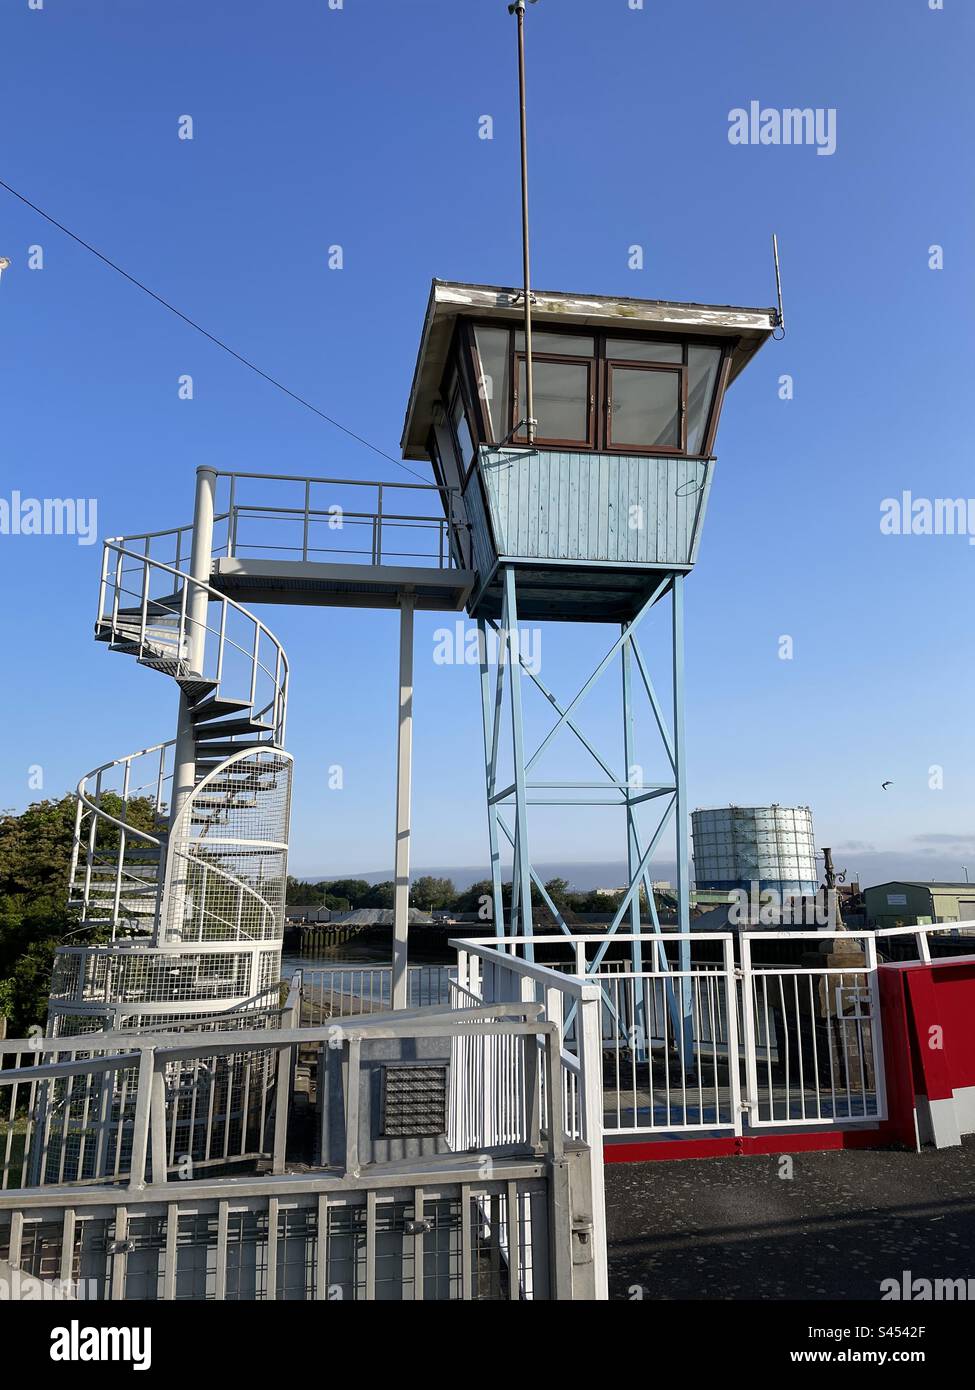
pixel 518 8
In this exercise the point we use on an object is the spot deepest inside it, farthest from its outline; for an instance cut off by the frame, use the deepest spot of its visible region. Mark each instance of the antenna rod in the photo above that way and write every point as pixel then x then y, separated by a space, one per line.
pixel 778 280
pixel 518 8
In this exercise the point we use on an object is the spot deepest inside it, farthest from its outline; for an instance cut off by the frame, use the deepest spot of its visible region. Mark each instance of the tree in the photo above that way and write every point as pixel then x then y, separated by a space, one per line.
pixel 429 893
pixel 356 890
pixel 560 893
pixel 378 895
pixel 35 857
pixel 302 893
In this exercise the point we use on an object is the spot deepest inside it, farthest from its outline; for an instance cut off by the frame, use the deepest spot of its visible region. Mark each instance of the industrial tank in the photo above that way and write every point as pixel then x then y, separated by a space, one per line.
pixel 773 846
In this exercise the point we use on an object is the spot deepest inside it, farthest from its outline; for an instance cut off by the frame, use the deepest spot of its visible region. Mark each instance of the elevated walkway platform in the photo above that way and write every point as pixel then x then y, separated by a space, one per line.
pixel 340 585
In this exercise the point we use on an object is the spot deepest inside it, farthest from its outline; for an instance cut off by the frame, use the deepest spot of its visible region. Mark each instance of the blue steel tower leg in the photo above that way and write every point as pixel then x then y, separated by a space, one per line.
pixel 683 866
pixel 639 1041
pixel 491 714
pixel 521 883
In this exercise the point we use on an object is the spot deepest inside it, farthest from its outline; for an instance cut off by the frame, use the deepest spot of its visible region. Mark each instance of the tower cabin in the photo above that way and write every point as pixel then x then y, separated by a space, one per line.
pixel 612 494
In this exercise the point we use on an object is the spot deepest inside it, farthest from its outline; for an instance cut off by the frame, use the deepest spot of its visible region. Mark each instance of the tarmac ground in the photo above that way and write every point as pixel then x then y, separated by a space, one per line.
pixel 804 1226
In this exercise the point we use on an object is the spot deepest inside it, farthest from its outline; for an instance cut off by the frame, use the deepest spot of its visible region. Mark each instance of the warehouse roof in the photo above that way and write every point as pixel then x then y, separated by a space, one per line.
pixel 920 883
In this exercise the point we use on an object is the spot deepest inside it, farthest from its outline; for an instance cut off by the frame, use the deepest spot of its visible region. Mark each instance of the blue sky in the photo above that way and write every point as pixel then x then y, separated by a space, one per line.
pixel 359 126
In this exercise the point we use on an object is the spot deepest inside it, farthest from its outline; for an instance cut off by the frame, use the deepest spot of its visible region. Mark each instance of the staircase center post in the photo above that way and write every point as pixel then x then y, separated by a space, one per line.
pixel 201 554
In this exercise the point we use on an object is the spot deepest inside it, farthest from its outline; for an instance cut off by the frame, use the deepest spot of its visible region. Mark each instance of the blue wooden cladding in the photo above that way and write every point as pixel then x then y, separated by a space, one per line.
pixel 568 506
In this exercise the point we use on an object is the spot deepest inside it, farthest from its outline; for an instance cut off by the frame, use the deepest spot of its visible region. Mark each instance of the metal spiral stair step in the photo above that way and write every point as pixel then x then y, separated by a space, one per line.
pixel 215 707
pixel 229 728
pixel 169 605
pixel 228 749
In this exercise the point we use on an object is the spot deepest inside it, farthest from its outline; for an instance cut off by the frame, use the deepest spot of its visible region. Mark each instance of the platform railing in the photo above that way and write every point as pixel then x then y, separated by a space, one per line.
pixel 490 972
pixel 922 937
pixel 344 519
pixel 343 991
pixel 115 1107
pixel 80 1108
pixel 763 1041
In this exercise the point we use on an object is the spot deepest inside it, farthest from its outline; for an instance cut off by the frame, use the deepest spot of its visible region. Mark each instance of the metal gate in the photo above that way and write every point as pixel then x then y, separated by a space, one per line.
pixel 813 1050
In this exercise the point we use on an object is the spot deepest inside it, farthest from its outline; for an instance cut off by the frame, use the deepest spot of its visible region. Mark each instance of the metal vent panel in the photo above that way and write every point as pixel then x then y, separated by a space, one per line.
pixel 414 1100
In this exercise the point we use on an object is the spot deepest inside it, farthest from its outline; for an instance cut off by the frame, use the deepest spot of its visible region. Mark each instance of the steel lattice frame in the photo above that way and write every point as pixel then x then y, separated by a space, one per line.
pixel 512 669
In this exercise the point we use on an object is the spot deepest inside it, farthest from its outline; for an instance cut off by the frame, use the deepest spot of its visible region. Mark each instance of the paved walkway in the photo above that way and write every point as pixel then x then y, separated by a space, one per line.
pixel 732 1228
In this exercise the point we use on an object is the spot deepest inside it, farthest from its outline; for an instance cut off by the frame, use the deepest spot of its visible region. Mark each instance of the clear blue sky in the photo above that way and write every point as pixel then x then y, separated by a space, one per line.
pixel 359 126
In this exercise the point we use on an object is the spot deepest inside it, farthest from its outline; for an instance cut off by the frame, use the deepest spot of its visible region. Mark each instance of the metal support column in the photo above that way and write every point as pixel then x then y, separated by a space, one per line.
pixel 491 716
pixel 633 845
pixel 404 790
pixel 521 882
pixel 681 814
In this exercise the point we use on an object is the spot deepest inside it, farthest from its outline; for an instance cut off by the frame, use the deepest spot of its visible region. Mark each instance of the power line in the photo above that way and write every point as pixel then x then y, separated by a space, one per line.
pixel 112 265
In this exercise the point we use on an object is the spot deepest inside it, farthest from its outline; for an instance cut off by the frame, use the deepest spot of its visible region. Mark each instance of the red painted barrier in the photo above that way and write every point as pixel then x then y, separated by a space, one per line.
pixel 928 1013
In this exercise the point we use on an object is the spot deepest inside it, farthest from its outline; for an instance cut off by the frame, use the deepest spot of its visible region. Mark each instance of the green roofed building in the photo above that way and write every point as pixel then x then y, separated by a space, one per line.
pixel 906 902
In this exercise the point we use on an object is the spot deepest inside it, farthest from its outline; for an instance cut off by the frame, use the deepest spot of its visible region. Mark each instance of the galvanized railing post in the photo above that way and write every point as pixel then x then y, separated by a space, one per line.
pixel 876 1027
pixel 140 1122
pixel 232 518
pixel 353 1054
pixel 157 1125
pixel 282 1106
pixel 731 1026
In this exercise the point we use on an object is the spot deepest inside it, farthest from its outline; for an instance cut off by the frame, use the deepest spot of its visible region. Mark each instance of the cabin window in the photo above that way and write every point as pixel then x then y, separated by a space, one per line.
pixel 494 384
pixel 557 344
pixel 643 407
pixel 462 432
pixel 637 350
pixel 631 394
pixel 562 400
pixel 702 376
pixel 563 373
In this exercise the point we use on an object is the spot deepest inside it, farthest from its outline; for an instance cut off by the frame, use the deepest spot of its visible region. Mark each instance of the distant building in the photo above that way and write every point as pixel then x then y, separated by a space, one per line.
pixel 308 912
pixel 773 846
pixel 908 901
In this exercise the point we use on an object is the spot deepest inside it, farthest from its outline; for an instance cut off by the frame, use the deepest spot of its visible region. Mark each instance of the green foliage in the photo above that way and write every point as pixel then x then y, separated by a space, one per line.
pixel 429 894
pixel 35 856
pixel 379 895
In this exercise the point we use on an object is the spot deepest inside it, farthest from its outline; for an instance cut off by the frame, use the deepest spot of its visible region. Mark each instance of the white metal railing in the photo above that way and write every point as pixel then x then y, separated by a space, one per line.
pixel 114 877
pixel 827 1065
pixel 486 971
pixel 344 991
pixel 343 519
pixel 962 933
pixel 99 1107
pixel 735 1039
pixel 162 614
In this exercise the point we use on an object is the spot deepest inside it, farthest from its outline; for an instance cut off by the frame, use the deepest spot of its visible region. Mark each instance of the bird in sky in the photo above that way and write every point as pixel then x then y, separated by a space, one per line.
pixel 885 785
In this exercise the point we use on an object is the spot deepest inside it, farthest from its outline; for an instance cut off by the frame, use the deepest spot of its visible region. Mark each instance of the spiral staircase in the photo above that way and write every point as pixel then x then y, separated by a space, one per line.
pixel 179 863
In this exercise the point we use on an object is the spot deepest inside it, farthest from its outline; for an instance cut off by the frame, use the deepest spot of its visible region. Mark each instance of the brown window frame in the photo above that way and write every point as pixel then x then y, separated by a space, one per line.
pixel 677 369
pixel 464 359
pixel 463 356
pixel 591 365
